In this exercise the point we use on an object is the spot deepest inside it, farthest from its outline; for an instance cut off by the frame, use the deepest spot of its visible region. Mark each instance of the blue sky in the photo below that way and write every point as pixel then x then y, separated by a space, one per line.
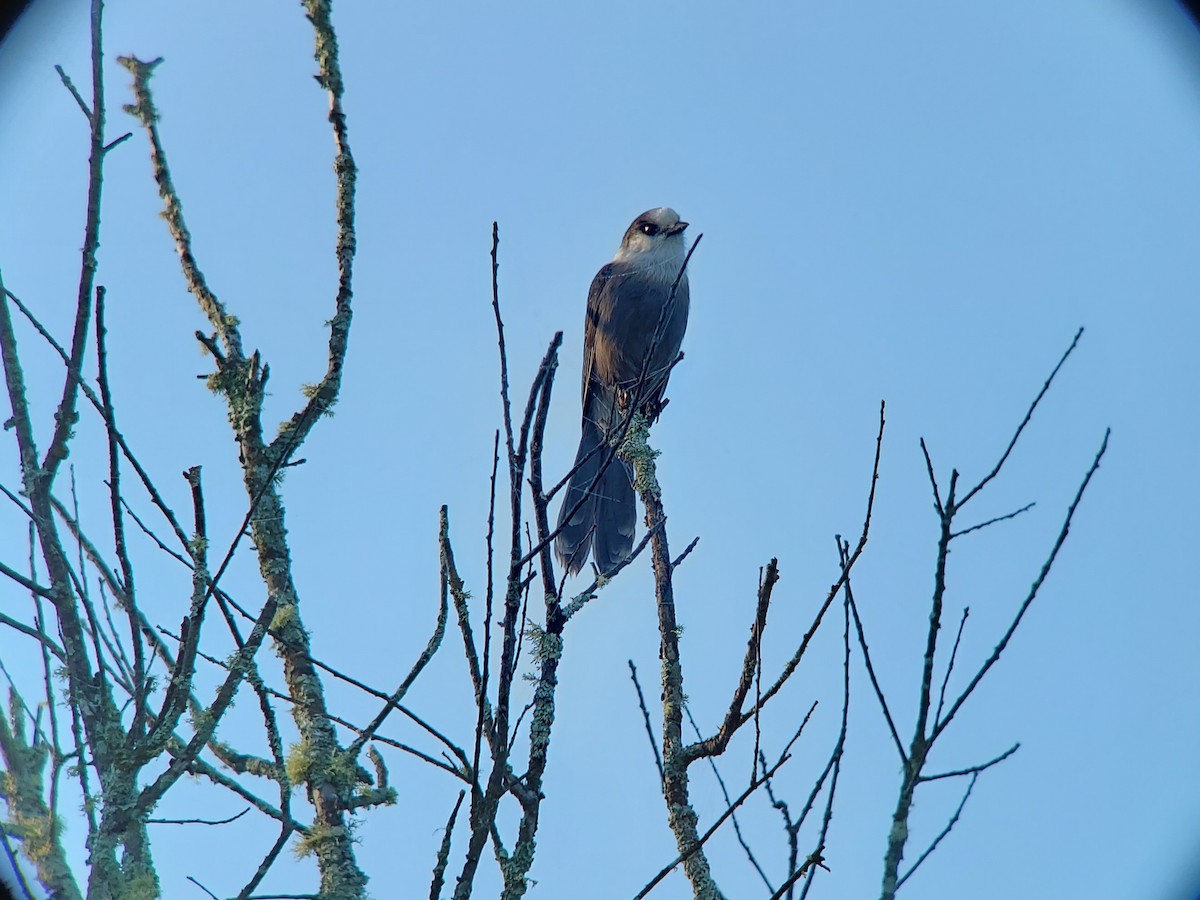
pixel 914 202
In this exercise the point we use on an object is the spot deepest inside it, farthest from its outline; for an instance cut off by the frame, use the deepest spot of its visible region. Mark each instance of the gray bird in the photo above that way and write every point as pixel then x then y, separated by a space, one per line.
pixel 626 303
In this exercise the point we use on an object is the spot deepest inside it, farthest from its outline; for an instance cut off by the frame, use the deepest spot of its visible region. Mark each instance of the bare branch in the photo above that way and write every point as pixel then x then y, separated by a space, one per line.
pixel 1033 590
pixel 712 764
pixel 839 749
pixel 98 404
pixel 431 647
pixel 937 716
pixel 945 831
pixel 686 552
pixel 1004 518
pixel 974 770
pixel 285 832
pixel 646 718
pixel 506 404
pixel 937 497
pixel 70 86
pixel 721 819
pixel 143 109
pixel 887 713
pixel 1020 428
pixel 791 665
pixel 138 675
pixel 225 821
pixel 443 856
pixel 716 745
pixel 329 76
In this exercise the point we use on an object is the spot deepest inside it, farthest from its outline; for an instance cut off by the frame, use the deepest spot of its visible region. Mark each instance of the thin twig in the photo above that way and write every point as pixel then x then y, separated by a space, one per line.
pixel 203 888
pixel 98 404
pixel 823 837
pixel 729 811
pixel 737 826
pixel 443 856
pixel 974 770
pixel 138 676
pixel 1033 590
pixel 70 86
pixel 1020 428
pixel 684 555
pixel 945 831
pixel 705 747
pixel 937 497
pixel 646 719
pixel 285 832
pixel 232 818
pixel 883 705
pixel 937 717
pixel 1004 518
pixel 431 647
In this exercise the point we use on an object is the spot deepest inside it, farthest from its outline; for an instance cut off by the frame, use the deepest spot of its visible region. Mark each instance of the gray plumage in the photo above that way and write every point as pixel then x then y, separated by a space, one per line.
pixel 626 303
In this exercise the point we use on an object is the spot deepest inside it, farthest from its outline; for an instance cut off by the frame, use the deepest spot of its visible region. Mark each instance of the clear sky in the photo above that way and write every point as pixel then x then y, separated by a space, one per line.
pixel 917 202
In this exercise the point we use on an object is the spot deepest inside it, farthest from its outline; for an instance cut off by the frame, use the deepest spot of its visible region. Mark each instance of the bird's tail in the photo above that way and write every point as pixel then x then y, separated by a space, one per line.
pixel 602 513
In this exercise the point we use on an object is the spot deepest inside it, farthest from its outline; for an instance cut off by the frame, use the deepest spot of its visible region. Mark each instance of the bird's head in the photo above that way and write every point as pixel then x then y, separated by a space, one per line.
pixel 654 238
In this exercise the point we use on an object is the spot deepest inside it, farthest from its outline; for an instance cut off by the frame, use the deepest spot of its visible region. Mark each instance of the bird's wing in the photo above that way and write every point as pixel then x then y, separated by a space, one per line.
pixel 600 285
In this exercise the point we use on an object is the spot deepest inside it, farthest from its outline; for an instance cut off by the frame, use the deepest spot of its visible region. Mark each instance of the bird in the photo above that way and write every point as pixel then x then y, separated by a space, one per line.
pixel 633 325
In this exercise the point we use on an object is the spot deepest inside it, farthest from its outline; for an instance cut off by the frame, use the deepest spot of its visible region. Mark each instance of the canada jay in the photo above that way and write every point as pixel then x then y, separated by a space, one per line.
pixel 627 301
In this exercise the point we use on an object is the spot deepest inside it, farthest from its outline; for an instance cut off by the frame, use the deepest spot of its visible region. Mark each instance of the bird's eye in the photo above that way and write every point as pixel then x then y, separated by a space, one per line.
pixel 649 228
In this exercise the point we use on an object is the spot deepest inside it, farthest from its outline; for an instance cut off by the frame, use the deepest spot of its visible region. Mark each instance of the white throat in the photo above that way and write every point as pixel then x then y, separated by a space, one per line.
pixel 661 260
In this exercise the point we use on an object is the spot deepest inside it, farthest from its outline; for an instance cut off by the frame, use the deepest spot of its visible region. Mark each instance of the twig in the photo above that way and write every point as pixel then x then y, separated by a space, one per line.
pixel 138 676
pixel 737 826
pixel 505 404
pixel 814 859
pixel 937 498
pixel 1004 518
pixel 580 600
pixel 96 402
pixel 974 770
pixel 887 713
pixel 443 856
pixel 734 718
pixel 285 832
pixel 203 888
pixel 70 86
pixel 839 750
pixel 702 748
pixel 686 550
pixel 945 831
pixel 646 719
pixel 937 716
pixel 1033 590
pixel 232 818
pixel 729 811
pixel 431 647
pixel 322 398
pixel 1020 428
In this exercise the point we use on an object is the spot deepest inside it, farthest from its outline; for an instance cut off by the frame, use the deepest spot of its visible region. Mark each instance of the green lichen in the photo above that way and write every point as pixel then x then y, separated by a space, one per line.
pixel 300 762
pixel 307 763
pixel 37 836
pixel 543 645
pixel 141 887
pixel 201 719
pixel 318 834
pixel 285 615
pixel 637 451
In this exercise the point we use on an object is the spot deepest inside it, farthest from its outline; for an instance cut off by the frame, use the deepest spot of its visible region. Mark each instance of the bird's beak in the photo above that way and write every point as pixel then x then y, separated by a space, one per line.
pixel 677 228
